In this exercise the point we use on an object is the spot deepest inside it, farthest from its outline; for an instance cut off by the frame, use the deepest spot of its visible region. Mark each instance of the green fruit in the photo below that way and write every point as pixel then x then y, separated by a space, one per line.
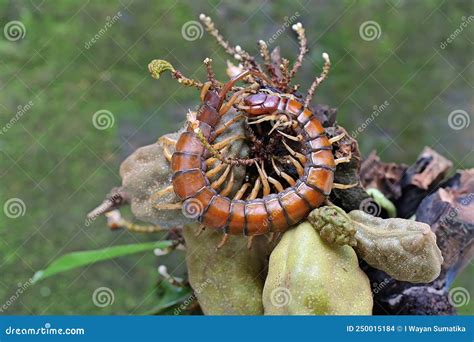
pixel 228 281
pixel 308 277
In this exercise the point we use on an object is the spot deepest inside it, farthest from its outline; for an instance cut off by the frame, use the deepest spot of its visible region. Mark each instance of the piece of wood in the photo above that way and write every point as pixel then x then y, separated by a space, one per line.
pixel 449 211
pixel 420 179
pixel 382 176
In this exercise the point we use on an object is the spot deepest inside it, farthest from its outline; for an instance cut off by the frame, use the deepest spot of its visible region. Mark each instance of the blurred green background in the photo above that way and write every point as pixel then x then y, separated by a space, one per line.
pixel 61 166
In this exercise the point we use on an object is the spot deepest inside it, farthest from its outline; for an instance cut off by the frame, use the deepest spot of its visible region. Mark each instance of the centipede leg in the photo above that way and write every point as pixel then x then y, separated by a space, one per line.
pixel 211 160
pixel 297 165
pixel 278 186
pixel 337 138
pixel 228 141
pixel 200 229
pixel 298 155
pixel 167 141
pixel 217 184
pixel 169 206
pixel 264 118
pixel 230 184
pixel 250 241
pixel 204 90
pixel 225 108
pixel 229 123
pixel 213 172
pixel 241 191
pixel 345 159
pixel 282 174
pixel 224 240
pixel 291 137
pixel 161 193
pixel 264 178
pixel 255 190
pixel 168 155
pixel 344 186
pixel 275 237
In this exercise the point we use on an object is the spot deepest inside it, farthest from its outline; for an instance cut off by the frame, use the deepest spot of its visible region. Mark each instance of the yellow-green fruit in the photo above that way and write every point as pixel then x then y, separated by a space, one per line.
pixel 308 277
pixel 228 281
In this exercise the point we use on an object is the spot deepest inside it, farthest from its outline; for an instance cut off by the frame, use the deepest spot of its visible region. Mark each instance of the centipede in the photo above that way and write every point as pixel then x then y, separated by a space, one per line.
pixel 265 98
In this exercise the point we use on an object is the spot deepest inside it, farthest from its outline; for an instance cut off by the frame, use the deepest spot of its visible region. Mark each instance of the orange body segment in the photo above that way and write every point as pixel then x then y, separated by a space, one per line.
pixel 273 213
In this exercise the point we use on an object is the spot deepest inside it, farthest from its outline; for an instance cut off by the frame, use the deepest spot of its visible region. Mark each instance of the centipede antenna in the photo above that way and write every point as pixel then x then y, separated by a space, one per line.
pixel 265 53
pixel 157 66
pixel 318 80
pixel 284 68
pixel 298 28
pixel 237 52
pixel 211 76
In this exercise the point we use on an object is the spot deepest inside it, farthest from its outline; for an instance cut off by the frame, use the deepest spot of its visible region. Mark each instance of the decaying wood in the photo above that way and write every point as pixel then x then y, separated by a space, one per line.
pixel 450 213
pixel 382 176
pixel 420 179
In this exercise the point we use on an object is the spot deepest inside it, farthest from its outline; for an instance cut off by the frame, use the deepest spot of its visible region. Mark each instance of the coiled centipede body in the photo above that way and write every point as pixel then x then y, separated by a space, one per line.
pixel 272 213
